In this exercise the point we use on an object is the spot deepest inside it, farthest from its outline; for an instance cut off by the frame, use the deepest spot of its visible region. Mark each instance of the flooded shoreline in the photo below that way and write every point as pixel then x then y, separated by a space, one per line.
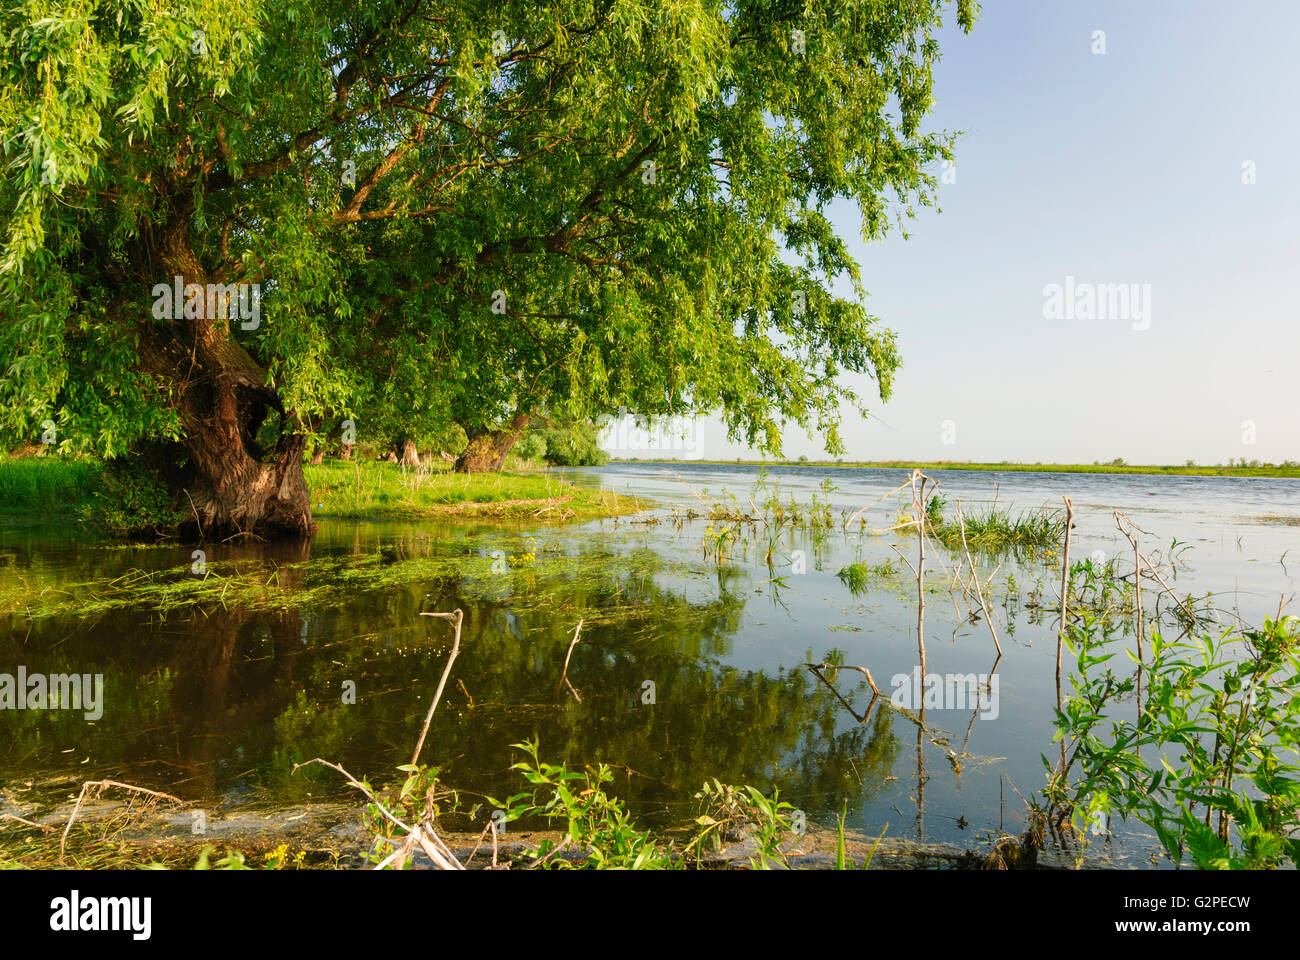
pixel 319 650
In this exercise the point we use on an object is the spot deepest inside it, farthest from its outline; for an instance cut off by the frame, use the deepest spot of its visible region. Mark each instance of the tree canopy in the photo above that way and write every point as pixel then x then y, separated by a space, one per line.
pixel 458 213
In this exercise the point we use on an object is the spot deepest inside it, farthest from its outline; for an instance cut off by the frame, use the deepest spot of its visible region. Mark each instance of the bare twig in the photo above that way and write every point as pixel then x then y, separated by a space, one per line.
pixel 553 851
pixel 456 617
pixel 918 500
pixel 858 513
pixel 98 787
pixel 422 834
pixel 30 823
pixel 988 617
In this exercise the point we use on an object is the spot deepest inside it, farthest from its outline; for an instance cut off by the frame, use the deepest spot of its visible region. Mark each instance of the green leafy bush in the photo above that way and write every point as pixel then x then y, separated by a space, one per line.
pixel 131 499
pixel 573 445
pixel 531 447
pixel 1208 761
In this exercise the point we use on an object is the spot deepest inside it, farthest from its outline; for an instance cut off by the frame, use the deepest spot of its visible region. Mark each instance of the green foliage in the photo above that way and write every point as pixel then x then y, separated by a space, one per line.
pixel 842 860
pixel 130 499
pixel 727 812
pixel 233 860
pixel 599 834
pixel 573 445
pixel 278 859
pixel 1210 760
pixel 858 576
pixel 596 825
pixel 531 447
pixel 563 207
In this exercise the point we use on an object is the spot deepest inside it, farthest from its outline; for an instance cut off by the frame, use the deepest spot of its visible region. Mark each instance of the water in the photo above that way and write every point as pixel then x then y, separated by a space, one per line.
pixel 686 669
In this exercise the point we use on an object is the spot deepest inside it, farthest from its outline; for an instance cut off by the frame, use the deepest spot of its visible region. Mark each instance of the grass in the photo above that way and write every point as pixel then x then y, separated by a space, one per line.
pixel 44 484
pixel 372 490
pixel 998 530
pixel 859 576
pixel 361 489
pixel 1254 469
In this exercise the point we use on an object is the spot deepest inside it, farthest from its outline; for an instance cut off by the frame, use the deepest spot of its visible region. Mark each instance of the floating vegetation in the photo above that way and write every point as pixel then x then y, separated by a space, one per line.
pixel 327 581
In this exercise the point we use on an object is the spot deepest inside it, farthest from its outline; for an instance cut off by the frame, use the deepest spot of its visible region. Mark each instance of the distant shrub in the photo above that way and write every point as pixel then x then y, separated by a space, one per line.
pixel 531 447
pixel 573 445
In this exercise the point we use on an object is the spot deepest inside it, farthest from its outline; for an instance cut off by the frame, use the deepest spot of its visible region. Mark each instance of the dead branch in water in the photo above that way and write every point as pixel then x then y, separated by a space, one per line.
pixel 817 668
pixel 98 787
pixel 918 501
pixel 456 617
pixel 422 834
pixel 30 823
pixel 1065 595
pixel 988 617
pixel 858 513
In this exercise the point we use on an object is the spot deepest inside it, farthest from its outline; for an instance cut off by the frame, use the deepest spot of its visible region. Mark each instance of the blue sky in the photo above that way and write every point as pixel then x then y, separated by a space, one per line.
pixel 1122 167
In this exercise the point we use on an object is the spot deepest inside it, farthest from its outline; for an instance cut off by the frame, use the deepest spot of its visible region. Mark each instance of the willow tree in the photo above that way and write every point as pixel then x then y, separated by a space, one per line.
pixel 229 220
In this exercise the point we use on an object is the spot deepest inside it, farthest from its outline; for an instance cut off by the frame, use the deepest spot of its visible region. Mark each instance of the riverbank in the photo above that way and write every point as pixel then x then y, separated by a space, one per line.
pixel 353 490
pixel 1285 469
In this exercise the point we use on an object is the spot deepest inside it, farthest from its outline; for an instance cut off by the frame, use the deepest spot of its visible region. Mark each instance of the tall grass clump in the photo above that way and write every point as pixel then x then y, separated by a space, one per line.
pixel 44 484
pixel 999 530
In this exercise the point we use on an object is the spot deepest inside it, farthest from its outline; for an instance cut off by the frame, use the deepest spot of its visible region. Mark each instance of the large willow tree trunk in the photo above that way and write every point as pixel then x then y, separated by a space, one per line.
pixel 230 486
pixel 487 449
pixel 409 456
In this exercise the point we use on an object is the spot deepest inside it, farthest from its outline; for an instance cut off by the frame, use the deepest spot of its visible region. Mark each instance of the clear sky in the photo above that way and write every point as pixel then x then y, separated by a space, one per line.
pixel 1117 168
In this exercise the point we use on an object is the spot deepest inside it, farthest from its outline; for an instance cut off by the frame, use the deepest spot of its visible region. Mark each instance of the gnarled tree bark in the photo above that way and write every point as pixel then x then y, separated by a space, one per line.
pixel 488 448
pixel 230 486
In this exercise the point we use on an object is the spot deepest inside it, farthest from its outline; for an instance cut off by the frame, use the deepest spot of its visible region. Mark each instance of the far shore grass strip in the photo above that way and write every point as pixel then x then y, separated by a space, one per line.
pixel 1284 469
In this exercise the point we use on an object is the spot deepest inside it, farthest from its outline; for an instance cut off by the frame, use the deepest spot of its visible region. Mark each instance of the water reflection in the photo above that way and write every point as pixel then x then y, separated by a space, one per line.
pixel 220 700
pixel 216 700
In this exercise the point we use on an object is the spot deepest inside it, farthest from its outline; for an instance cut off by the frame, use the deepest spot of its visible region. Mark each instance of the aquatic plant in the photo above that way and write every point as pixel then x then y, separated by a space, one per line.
pixel 1029 534
pixel 858 576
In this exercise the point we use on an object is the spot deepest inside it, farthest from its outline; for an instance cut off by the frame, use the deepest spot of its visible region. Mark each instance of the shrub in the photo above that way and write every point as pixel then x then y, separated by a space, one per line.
pixel 130 499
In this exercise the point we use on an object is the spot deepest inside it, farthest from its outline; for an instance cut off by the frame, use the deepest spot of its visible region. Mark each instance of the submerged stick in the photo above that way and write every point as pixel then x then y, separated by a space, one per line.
pixel 919 502
pixel 816 668
pixel 30 823
pixel 455 618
